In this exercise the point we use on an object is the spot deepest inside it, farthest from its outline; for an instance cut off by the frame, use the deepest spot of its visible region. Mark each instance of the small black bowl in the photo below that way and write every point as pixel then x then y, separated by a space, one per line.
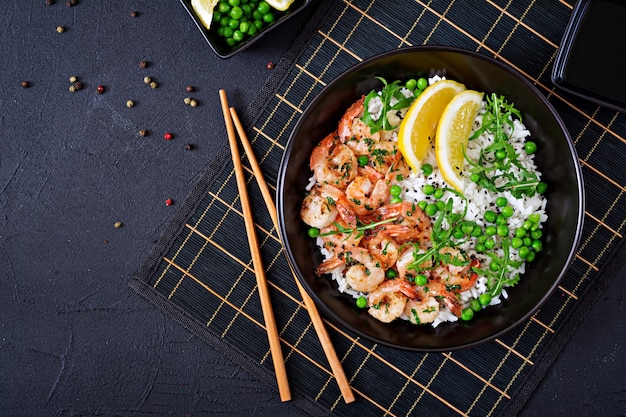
pixel 219 45
pixel 556 158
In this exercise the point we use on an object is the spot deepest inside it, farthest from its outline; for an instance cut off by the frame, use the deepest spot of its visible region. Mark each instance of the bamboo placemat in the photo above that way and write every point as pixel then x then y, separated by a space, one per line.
pixel 201 271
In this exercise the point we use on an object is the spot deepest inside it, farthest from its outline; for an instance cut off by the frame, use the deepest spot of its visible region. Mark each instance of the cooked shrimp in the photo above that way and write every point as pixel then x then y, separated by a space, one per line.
pixel 322 205
pixel 413 224
pixel 422 310
pixel 407 258
pixel 384 155
pixel 333 163
pixel 365 272
pixel 365 196
pixel 388 301
pixel 455 270
pixel 384 248
pixel 354 132
pixel 337 242
pixel 438 288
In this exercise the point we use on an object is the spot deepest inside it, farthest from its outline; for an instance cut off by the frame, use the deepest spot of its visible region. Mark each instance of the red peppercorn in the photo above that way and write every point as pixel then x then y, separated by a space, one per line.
pixel 167 136
pixel 100 89
pixel 169 202
pixel 270 65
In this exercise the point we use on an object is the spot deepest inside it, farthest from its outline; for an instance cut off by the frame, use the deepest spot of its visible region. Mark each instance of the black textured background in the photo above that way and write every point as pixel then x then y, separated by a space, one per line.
pixel 74 339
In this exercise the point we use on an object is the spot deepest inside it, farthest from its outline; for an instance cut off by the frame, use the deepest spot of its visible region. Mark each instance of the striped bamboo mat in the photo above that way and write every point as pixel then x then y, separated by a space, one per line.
pixel 202 274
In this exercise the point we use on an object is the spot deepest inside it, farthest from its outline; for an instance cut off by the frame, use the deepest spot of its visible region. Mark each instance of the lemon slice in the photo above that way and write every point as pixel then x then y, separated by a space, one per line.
pixel 453 134
pixel 204 10
pixel 281 5
pixel 417 129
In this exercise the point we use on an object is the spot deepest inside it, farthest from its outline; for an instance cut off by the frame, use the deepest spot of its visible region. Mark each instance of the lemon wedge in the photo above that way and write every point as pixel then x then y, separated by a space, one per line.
pixel 204 10
pixel 453 134
pixel 281 5
pixel 417 130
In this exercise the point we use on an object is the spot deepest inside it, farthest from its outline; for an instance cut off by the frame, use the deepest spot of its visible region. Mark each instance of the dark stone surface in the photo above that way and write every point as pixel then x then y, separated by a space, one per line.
pixel 74 339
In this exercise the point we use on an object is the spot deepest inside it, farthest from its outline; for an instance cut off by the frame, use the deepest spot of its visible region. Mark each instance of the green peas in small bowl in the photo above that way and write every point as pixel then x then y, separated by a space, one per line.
pixel 237 24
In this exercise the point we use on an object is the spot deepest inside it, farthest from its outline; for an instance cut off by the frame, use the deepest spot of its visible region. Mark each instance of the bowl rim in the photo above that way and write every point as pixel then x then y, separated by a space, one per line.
pixel 335 317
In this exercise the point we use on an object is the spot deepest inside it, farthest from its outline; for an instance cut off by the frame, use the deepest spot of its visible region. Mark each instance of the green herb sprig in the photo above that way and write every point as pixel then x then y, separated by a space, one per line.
pixel 388 92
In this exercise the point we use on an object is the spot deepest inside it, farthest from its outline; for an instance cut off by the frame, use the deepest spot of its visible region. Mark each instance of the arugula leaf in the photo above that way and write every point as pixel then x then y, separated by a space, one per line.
pixel 389 91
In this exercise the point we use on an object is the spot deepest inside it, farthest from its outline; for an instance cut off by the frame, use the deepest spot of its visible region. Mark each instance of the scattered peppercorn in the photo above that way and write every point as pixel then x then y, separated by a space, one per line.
pixel 78 85
pixel 187 100
pixel 270 65
pixel 133 13
pixel 153 85
pixel 130 103
pixel 117 225
pixel 49 2
pixel 147 80
pixel 169 202
pixel 143 133
pixel 193 103
pixel 143 64
pixel 60 29
pixel 25 84
pixel 70 3
pixel 190 89
pixel 73 79
pixel 72 88
pixel 168 136
pixel 100 89
pixel 189 147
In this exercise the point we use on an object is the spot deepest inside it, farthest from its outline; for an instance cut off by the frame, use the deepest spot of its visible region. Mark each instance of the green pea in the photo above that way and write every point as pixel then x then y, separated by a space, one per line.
pixel 481 239
pixel 494 266
pixel 256 15
pixel 224 21
pixel 230 41
pixel 534 218
pixel 536 234
pixel 490 243
pixel 228 32
pixel 501 201
pixel 477 231
pixel 507 211
pixel 531 256
pixel 247 10
pixel 421 279
pixel 441 205
pixel 268 17
pixel 458 233
pixel 263 7
pixel 528 241
pixel 475 177
pixel 236 12
pixel 501 220
pixel 475 305
pixel 431 209
pixel 234 2
pixel 467 227
pixel 491 230
pixel 427 169
pixel 363 160
pixel 244 26
pixel 422 83
pixel 480 247
pixel 233 24
pixel 467 314
pixel 391 273
pixel 422 205
pixel 223 7
pixel 439 192
pixel 411 84
pixel 502 230
pixel 500 154
pixel 258 23
pixel 313 232
pixel 484 298
pixel 252 30
pixel 395 199
pixel 361 302
pixel 428 189
pixel 536 245
pixel 217 16
pixel 490 216
pixel 395 190
pixel 516 243
pixel 541 187
pixel 527 224
pixel 520 232
pixel 530 147
pixel 523 252
pixel 237 35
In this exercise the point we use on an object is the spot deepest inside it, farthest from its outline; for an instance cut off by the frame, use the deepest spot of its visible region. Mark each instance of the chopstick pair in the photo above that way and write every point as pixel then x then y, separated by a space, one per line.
pixel 230 116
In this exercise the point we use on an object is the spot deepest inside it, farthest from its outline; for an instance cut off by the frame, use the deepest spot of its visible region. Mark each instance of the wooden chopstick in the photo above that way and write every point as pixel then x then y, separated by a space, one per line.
pixel 266 305
pixel 318 324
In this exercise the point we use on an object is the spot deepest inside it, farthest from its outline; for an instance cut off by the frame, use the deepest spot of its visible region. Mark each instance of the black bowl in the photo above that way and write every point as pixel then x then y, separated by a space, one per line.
pixel 218 43
pixel 556 159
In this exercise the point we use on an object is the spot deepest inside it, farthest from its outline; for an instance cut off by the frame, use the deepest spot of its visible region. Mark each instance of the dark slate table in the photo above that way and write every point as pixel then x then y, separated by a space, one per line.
pixel 74 339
